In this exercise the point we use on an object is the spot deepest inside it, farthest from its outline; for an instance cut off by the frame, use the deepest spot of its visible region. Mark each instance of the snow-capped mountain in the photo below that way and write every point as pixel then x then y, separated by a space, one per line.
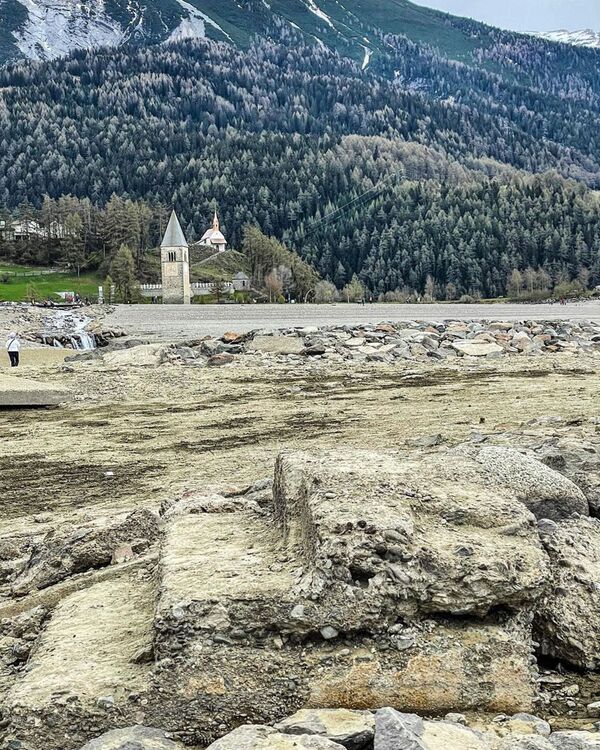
pixel 582 38
pixel 45 29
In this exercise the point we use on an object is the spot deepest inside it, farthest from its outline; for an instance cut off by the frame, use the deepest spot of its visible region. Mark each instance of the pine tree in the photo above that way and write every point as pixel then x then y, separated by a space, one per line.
pixel 122 270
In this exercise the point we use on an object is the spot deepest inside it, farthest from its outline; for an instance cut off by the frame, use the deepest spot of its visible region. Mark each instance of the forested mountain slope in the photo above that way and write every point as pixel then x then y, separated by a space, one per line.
pixel 326 155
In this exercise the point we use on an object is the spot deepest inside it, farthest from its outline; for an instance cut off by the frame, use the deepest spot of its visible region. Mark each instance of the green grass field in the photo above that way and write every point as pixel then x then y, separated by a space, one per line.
pixel 43 286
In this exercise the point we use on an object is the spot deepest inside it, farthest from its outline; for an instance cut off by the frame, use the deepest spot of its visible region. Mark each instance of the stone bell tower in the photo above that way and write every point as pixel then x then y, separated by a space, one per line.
pixel 175 265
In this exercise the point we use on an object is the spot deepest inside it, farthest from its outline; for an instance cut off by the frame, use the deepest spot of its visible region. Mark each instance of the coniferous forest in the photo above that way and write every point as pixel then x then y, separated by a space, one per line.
pixel 420 174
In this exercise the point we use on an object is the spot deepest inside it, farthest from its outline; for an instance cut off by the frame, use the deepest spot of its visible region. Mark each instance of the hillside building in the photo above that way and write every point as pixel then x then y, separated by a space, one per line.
pixel 175 265
pixel 213 237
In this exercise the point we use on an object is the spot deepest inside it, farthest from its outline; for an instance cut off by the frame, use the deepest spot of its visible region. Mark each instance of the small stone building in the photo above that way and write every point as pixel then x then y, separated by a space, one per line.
pixel 241 281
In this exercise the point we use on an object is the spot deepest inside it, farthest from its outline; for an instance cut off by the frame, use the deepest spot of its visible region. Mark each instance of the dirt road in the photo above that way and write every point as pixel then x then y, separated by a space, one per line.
pixel 171 322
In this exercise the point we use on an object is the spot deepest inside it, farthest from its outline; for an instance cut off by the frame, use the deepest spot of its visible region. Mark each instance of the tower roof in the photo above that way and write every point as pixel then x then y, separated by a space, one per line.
pixel 174 236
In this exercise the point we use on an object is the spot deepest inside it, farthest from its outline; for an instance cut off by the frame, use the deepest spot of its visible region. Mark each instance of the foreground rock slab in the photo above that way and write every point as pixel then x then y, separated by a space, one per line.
pixel 267 738
pixel 17 392
pixel 133 738
pixel 85 667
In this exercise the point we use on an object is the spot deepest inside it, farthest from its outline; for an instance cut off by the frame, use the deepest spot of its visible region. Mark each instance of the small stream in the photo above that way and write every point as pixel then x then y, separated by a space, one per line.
pixel 66 328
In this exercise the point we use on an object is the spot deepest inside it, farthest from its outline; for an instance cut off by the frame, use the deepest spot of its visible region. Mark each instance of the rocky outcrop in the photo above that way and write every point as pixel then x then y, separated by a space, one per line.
pixel 59 556
pixel 568 617
pixel 358 581
pixel 406 537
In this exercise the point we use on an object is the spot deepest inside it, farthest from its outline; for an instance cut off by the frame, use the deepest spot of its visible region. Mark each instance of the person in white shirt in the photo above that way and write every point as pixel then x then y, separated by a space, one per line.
pixel 13 344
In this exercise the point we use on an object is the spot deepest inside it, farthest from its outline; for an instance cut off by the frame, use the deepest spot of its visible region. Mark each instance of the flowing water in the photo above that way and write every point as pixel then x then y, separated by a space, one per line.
pixel 68 327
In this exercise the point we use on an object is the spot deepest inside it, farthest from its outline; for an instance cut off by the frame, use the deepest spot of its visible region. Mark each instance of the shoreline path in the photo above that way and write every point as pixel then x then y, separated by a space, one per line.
pixel 173 322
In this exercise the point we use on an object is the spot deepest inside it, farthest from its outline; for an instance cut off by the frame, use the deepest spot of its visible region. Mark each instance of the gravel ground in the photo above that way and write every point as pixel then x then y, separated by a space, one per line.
pixel 171 322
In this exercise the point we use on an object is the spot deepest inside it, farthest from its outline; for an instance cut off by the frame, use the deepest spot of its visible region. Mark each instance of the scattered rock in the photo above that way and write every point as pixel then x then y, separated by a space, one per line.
pixel 218 360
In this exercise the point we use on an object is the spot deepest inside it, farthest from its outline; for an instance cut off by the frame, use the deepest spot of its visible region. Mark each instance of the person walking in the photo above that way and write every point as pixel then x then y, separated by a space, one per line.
pixel 13 344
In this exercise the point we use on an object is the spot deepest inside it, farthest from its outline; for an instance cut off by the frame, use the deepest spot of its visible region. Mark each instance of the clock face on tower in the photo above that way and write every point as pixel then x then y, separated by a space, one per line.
pixel 170 269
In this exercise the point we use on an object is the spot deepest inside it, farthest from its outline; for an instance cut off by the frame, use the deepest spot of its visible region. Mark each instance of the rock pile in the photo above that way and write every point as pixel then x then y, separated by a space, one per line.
pixel 390 342
pixel 384 729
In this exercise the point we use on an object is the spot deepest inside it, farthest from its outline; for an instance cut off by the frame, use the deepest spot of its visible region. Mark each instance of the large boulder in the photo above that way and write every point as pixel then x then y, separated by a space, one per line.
pixel 353 730
pixel 406 536
pixel 276 345
pixel 477 348
pixel 18 392
pixel 397 731
pixel 568 618
pixel 266 738
pixel 544 491
pixel 133 738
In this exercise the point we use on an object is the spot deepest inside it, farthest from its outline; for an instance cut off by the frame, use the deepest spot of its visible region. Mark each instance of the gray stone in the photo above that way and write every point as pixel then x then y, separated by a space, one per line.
pixel 276 345
pixel 575 741
pixel 354 730
pixel 516 742
pixel 266 738
pixel 397 731
pixel 568 617
pixel 545 492
pixel 133 738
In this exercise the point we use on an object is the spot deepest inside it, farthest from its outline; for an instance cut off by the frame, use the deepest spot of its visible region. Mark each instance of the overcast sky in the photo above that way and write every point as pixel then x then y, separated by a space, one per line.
pixel 526 15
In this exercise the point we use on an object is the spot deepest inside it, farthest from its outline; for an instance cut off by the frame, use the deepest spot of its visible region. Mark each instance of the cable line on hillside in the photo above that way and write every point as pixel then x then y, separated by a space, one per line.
pixel 344 209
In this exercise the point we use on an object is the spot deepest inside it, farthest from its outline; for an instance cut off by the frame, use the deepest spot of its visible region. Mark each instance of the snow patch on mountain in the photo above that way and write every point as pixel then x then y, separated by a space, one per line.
pixel 56 27
pixel 582 38
pixel 367 57
pixel 195 24
pixel 314 8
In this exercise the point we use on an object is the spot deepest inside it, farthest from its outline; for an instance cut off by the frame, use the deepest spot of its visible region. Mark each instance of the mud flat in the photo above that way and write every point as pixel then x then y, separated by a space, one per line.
pixel 180 542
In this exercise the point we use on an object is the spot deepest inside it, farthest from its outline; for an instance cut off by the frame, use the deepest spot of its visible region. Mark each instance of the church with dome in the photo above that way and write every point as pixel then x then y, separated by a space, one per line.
pixel 213 237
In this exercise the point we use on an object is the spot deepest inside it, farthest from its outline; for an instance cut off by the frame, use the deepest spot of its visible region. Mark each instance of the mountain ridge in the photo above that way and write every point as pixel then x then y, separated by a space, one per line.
pixel 46 29
pixel 579 38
